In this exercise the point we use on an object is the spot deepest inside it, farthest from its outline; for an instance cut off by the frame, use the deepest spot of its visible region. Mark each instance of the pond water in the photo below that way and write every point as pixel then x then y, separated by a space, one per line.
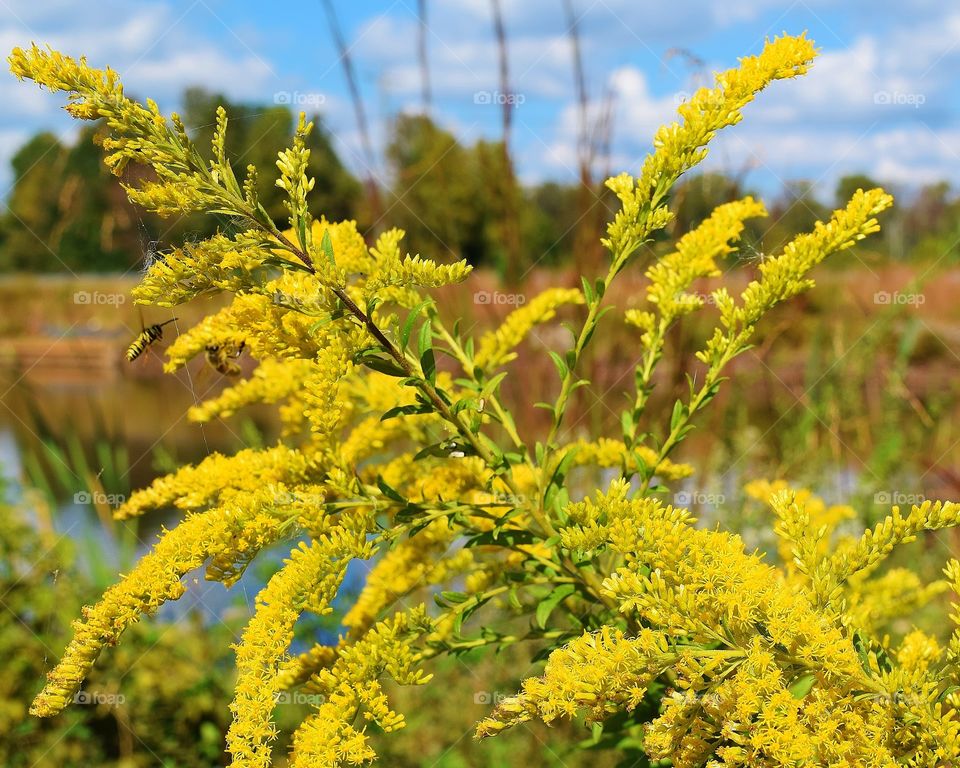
pixel 123 432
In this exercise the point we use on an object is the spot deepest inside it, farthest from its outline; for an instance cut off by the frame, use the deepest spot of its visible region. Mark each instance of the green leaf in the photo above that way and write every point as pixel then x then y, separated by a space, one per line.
pixel 428 361
pixel 326 246
pixel 513 458
pixel 464 404
pixel 601 287
pixel 407 410
pixel 597 730
pixel 679 412
pixel 491 386
pixel 563 466
pixel 469 607
pixel 802 686
pixel 559 363
pixel 644 471
pixel 551 601
pixel 587 290
pixel 949 690
pixel 407 328
pixel 384 365
pixel 390 493
pixel 491 446
pixel 425 339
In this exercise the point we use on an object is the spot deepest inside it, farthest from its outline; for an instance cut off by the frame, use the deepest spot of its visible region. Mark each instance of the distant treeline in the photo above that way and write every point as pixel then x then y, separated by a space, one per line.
pixel 65 212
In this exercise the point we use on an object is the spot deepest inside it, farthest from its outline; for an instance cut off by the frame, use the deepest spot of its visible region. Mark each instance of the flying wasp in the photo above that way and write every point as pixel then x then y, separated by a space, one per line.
pixel 223 357
pixel 147 337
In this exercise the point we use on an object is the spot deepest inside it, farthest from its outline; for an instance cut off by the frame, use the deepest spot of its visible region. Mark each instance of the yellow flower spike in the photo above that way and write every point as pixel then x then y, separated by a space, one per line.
pixel 695 257
pixel 599 671
pixel 154 580
pixel 195 487
pixel 272 382
pixel 496 348
pixel 877 543
pixel 205 268
pixel 787 274
pixel 138 133
pixel 678 147
pixel 393 270
pixel 308 580
pixel 328 737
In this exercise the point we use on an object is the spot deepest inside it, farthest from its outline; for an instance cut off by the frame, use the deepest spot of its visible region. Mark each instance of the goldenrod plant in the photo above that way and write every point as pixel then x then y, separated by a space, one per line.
pixel 672 642
pixel 162 699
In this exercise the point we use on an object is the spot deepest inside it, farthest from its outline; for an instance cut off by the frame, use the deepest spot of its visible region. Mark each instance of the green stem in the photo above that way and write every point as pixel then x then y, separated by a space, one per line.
pixel 643 383
pixel 735 345
pixel 470 369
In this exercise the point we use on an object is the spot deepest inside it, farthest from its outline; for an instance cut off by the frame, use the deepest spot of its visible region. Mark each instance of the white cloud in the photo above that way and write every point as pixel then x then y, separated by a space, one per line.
pixel 824 124
pixel 637 114
pixel 156 50
pixel 540 64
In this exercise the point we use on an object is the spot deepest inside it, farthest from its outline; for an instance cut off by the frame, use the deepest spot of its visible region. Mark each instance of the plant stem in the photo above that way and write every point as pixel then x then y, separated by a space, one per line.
pixel 467 365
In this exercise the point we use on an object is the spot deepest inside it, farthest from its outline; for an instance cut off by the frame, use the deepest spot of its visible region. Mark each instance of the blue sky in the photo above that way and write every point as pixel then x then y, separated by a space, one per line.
pixel 881 99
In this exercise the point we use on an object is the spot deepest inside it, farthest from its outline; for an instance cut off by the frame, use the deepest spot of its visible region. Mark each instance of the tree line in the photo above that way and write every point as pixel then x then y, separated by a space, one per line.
pixel 67 213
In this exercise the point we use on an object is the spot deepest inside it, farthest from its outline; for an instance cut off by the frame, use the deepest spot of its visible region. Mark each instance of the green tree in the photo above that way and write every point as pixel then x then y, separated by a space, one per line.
pixel 257 133
pixel 549 223
pixel 82 223
pixel 847 185
pixel 433 189
pixel 32 208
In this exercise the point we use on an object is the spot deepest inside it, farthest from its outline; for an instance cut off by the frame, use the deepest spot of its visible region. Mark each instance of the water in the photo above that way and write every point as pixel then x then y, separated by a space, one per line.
pixel 143 420
pixel 119 433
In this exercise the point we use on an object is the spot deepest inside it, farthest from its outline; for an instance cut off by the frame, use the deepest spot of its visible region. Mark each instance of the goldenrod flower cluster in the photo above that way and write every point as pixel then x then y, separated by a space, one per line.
pixel 154 580
pixel 680 146
pixel 497 347
pixel 398 447
pixel 696 256
pixel 309 580
pixel 759 673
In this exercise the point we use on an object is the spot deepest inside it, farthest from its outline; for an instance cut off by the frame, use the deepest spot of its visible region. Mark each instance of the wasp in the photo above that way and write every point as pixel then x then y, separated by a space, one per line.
pixel 147 337
pixel 223 356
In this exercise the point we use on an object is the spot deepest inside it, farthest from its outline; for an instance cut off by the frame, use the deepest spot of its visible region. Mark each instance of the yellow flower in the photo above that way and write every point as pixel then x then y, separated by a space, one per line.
pixel 351 685
pixel 155 579
pixel 680 146
pixel 308 580
pixel 695 257
pixel 497 347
